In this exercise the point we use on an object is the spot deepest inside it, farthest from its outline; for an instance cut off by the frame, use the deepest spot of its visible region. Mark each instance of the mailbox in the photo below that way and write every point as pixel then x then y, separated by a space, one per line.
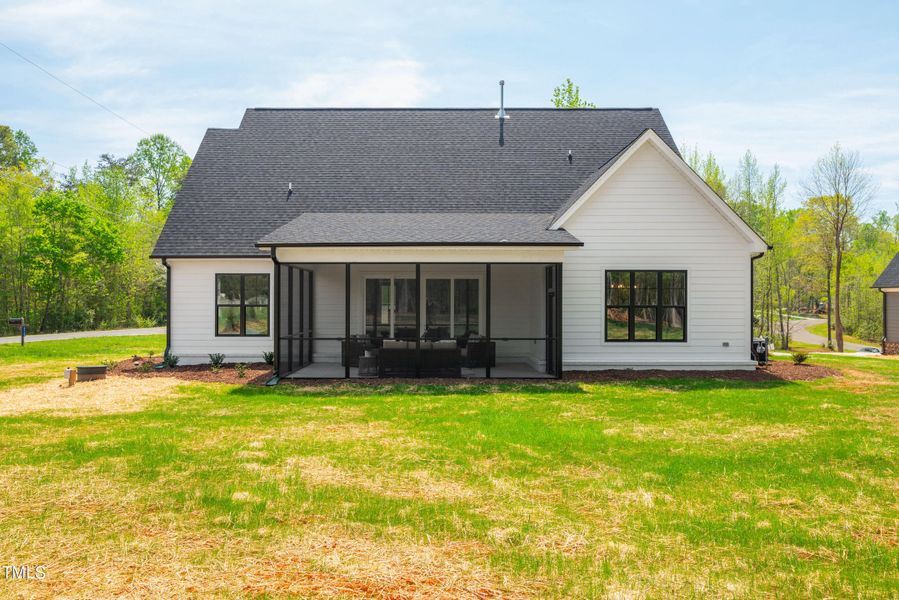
pixel 20 323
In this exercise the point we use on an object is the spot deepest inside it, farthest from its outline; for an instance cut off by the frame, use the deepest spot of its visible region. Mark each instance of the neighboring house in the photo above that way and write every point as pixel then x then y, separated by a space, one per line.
pixel 888 283
pixel 449 242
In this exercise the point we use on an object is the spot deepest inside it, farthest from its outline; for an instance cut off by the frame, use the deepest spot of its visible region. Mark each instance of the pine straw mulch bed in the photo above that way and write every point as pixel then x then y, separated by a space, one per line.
pixel 773 371
pixel 260 373
pixel 256 373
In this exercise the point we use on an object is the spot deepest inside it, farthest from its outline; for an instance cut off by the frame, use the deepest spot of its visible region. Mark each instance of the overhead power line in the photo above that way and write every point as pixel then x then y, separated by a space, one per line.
pixel 138 217
pixel 76 90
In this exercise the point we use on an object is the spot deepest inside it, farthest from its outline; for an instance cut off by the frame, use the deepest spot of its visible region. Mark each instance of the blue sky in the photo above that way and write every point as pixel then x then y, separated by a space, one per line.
pixel 784 79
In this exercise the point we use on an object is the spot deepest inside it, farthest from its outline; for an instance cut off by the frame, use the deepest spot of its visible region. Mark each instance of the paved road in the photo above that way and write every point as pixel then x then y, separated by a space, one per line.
pixel 800 333
pixel 71 335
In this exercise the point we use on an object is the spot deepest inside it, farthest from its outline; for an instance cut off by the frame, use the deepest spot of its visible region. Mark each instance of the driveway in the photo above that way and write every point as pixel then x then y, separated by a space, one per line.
pixel 799 332
pixel 71 335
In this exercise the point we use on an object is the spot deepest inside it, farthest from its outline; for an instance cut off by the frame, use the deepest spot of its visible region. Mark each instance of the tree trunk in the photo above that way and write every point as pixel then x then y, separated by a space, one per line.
pixel 829 304
pixel 46 311
pixel 837 321
pixel 784 338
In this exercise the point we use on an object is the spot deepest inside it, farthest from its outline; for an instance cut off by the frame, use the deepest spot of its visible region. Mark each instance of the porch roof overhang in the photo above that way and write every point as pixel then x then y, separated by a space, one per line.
pixel 420 254
pixel 418 229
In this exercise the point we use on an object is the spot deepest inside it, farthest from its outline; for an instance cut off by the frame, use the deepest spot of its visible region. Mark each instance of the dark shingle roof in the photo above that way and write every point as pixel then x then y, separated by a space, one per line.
pixel 349 229
pixel 890 276
pixel 387 160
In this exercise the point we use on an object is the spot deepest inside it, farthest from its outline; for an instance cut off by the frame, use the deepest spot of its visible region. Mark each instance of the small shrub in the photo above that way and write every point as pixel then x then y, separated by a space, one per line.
pixel 241 370
pixel 170 360
pixel 145 367
pixel 799 357
pixel 108 363
pixel 216 360
pixel 268 357
pixel 143 322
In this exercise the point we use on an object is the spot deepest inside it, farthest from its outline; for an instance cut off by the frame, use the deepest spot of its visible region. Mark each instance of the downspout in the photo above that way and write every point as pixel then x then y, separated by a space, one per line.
pixel 168 312
pixel 752 296
pixel 883 340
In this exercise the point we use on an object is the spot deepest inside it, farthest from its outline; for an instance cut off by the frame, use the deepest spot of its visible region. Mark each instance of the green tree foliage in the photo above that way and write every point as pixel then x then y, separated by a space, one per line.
pixel 75 253
pixel 708 168
pixel 839 191
pixel 68 252
pixel 162 164
pixel 16 149
pixel 824 255
pixel 568 95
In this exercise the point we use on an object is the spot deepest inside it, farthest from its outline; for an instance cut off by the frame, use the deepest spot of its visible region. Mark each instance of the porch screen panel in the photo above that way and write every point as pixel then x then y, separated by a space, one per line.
pixel 404 309
pixel 283 325
pixel 377 307
pixel 306 317
pixel 466 307
pixel 437 308
pixel 296 315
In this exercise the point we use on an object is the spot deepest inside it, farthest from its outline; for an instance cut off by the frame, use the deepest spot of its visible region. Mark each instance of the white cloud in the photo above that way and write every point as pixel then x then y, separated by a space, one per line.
pixel 794 134
pixel 386 82
pixel 72 26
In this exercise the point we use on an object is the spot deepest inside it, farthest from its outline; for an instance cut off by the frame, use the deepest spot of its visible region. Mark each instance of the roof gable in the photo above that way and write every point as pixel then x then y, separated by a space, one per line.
pixel 890 276
pixel 593 183
pixel 387 160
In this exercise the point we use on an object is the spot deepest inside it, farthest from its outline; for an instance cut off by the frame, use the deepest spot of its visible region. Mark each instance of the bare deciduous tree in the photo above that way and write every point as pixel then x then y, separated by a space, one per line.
pixel 839 191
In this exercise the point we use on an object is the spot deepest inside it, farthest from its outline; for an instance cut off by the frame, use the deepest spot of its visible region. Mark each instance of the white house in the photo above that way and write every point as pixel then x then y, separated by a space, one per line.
pixel 888 283
pixel 449 242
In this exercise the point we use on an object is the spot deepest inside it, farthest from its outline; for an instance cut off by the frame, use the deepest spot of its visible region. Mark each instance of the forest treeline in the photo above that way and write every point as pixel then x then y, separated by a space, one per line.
pixel 825 254
pixel 75 246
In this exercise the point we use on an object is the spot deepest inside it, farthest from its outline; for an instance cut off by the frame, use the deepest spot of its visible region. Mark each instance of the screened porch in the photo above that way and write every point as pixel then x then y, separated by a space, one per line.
pixel 388 320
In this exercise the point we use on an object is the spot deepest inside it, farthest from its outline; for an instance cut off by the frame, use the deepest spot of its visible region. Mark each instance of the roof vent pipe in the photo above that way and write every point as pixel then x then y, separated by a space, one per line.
pixel 501 115
pixel 570 157
pixel 502 111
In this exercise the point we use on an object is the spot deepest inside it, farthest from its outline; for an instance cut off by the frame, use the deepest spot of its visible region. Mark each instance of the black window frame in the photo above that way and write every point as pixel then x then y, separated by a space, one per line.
pixel 632 307
pixel 243 306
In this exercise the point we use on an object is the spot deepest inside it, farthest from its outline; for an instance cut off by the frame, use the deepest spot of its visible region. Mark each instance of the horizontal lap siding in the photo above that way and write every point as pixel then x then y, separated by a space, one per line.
pixel 193 311
pixel 892 316
pixel 648 216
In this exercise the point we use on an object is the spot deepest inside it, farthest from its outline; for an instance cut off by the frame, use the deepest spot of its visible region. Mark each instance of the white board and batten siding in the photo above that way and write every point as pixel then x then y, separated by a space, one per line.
pixel 649 216
pixel 193 311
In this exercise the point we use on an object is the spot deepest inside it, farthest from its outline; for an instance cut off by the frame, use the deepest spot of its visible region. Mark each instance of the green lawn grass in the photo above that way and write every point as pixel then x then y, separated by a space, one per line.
pixel 41 361
pixel 655 488
pixel 821 330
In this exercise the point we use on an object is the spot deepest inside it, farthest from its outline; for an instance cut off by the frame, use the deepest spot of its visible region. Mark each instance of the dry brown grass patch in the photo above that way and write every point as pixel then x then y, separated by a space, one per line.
pixel 106 396
pixel 419 484
pixel 701 432
pixel 336 564
pixel 887 417
pixel 857 382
